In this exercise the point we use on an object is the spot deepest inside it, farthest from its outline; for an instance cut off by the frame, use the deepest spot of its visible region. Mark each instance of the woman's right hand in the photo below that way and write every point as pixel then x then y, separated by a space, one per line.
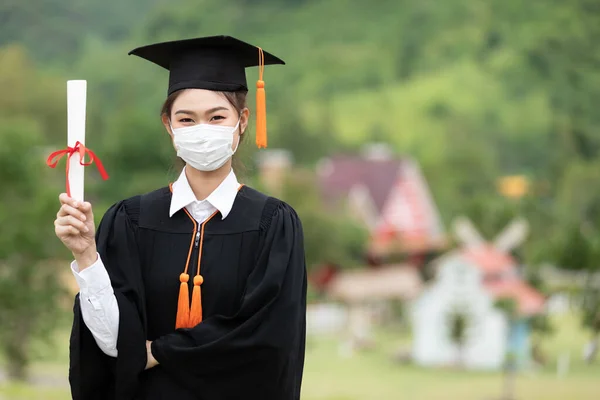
pixel 74 226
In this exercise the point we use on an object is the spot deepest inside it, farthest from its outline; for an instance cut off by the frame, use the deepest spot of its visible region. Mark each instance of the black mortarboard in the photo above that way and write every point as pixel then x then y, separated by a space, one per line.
pixel 213 63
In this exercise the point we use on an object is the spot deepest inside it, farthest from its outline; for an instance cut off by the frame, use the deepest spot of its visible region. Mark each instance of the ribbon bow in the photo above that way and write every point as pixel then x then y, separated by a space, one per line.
pixel 55 157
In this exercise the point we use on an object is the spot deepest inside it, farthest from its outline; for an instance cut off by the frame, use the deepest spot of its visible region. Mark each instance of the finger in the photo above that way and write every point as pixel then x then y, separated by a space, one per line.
pixel 86 207
pixel 62 211
pixel 65 199
pixel 66 230
pixel 66 209
pixel 70 220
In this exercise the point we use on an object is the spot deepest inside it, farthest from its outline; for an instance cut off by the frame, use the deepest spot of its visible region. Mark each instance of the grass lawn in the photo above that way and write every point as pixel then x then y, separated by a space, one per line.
pixel 373 376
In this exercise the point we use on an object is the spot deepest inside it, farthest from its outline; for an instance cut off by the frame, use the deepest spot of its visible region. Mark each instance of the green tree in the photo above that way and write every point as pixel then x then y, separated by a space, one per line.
pixel 30 287
pixel 591 319
pixel 329 235
pixel 510 309
pixel 32 114
pixel 577 245
pixel 541 325
pixel 459 322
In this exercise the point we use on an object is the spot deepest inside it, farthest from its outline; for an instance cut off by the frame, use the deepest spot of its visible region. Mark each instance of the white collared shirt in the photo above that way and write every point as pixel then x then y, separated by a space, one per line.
pixel 220 199
pixel 99 307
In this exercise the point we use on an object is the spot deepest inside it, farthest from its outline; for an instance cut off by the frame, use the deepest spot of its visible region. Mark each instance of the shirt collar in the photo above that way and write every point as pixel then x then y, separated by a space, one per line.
pixel 221 198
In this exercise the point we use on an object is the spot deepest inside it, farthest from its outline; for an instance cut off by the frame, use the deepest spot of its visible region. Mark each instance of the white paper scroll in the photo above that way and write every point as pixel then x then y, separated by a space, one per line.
pixel 76 103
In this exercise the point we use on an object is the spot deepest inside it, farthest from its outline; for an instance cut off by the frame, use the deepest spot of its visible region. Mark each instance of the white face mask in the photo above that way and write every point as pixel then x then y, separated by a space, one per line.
pixel 205 147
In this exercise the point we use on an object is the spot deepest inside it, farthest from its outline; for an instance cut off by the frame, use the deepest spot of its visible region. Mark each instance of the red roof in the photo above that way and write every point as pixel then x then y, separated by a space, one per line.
pixel 529 300
pixel 489 259
pixel 501 280
pixel 342 172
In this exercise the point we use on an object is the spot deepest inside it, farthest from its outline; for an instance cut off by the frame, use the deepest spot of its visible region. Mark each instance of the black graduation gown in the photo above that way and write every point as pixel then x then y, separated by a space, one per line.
pixel 250 344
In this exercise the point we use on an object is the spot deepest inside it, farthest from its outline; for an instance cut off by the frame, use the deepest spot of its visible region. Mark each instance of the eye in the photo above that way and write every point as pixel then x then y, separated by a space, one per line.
pixel 186 121
pixel 217 118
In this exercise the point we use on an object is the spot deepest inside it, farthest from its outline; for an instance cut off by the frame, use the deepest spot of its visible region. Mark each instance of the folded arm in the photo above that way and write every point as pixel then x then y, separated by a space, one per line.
pixel 98 304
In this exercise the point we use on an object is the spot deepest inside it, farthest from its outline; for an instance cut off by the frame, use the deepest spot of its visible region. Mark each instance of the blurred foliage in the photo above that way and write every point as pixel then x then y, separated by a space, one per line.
pixel 509 307
pixel 328 236
pixel 592 318
pixel 540 324
pixel 459 322
pixel 30 286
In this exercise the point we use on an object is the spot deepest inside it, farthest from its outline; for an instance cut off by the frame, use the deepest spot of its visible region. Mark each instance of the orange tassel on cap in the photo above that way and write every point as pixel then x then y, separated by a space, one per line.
pixel 261 104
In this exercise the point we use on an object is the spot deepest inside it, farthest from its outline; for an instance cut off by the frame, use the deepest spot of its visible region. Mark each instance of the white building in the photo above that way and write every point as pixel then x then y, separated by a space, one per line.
pixel 458 288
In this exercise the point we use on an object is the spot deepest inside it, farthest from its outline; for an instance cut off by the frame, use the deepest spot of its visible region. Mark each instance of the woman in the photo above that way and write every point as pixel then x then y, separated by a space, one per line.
pixel 196 290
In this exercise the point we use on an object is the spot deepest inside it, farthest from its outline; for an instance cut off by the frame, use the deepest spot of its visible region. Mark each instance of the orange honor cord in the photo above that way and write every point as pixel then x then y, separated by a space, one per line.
pixel 183 304
pixel 188 317
pixel 261 104
pixel 196 310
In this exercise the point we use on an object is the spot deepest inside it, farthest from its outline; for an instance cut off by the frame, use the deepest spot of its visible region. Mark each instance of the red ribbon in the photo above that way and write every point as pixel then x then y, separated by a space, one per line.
pixel 55 157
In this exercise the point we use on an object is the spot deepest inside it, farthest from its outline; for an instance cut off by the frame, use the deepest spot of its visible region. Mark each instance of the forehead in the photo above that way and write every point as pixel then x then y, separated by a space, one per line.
pixel 200 99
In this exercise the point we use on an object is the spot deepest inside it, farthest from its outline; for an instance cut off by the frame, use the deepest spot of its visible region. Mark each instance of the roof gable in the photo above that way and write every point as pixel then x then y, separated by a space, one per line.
pixel 338 174
pixel 499 277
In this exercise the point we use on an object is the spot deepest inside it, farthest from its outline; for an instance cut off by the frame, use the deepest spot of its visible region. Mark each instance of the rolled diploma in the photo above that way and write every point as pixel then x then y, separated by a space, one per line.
pixel 76 97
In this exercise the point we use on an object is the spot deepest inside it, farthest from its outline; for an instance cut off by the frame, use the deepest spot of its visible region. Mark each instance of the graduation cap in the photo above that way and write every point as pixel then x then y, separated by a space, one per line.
pixel 214 63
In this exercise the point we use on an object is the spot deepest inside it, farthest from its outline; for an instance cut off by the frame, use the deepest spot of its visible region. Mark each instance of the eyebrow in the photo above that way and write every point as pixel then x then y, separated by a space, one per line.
pixel 185 112
pixel 210 111
pixel 214 109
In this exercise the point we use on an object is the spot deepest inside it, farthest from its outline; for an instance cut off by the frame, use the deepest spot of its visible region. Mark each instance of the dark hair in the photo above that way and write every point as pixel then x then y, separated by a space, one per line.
pixel 237 101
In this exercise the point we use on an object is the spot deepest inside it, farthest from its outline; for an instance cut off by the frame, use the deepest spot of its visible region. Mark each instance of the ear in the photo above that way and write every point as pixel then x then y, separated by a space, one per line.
pixel 244 118
pixel 166 123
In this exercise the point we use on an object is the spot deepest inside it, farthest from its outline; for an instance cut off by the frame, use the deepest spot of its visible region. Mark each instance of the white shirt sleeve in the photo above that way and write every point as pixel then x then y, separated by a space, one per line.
pixel 99 306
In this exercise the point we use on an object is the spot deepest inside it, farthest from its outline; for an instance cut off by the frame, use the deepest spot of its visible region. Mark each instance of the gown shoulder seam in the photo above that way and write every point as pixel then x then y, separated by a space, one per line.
pixel 268 211
pixel 132 208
